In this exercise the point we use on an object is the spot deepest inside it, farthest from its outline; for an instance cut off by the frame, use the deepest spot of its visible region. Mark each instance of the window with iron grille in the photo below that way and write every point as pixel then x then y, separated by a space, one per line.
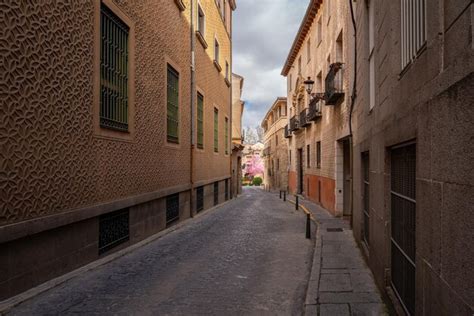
pixel 113 229
pixel 366 205
pixel 413 29
pixel 226 135
pixel 114 66
pixel 199 199
pixel 226 189
pixel 403 224
pixel 216 130
pixel 172 208
pixel 216 193
pixel 200 121
pixel 318 155
pixel 173 105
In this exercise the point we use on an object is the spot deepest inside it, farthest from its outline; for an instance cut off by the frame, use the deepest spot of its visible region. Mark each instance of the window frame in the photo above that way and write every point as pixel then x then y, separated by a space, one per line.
pixel 216 130
pixel 226 135
pixel 199 120
pixel 100 131
pixel 169 138
pixel 318 154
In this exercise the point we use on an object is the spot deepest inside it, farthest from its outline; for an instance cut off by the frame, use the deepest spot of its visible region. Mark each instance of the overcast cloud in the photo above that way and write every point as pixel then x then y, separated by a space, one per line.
pixel 263 32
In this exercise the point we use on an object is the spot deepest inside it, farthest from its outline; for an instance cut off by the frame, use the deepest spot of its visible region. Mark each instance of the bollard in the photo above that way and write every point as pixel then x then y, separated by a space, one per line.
pixel 280 194
pixel 308 226
pixel 284 196
pixel 296 204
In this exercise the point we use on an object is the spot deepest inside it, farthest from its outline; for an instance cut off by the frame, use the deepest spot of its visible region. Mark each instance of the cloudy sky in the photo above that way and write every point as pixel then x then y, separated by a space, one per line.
pixel 263 32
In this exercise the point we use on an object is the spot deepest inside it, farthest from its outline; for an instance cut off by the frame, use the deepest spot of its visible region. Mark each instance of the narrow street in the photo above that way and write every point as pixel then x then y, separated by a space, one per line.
pixel 249 256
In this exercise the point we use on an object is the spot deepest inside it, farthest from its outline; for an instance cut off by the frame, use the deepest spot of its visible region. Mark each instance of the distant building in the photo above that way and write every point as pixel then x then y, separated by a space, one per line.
pixel 252 162
pixel 237 137
pixel 275 153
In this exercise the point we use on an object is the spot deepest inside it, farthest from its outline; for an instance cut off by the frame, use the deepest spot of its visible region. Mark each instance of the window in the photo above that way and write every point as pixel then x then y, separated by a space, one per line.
pixel 339 48
pixel 308 50
pixel 216 51
pixel 371 56
pixel 172 208
pixel 200 121
pixel 224 17
pixel 319 82
pixel 216 193
pixel 413 29
pixel 290 87
pixel 172 105
pixel 199 199
pixel 365 197
pixel 114 67
pixel 320 32
pixel 318 155
pixel 201 20
pixel 226 136
pixel 308 156
pixel 227 70
pixel 276 140
pixel 278 164
pixel 114 229
pixel 289 155
pixel 299 66
pixel 216 130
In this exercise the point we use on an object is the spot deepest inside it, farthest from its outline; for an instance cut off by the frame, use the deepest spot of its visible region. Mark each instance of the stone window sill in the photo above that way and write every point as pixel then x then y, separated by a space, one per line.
pixel 180 5
pixel 201 39
pixel 227 82
pixel 216 64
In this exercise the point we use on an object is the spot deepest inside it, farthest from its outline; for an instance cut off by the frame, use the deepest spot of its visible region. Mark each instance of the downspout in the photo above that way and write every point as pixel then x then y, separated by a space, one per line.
pixel 231 150
pixel 193 93
pixel 353 97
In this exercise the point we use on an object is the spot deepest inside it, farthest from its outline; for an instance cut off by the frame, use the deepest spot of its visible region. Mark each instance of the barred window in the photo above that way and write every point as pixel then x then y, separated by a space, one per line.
pixel 318 155
pixel 113 71
pixel 413 29
pixel 216 130
pixel 172 208
pixel 226 136
pixel 200 121
pixel 201 20
pixel 172 105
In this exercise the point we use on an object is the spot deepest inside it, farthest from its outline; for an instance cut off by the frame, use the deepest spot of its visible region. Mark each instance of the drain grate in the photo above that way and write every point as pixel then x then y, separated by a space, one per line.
pixel 333 230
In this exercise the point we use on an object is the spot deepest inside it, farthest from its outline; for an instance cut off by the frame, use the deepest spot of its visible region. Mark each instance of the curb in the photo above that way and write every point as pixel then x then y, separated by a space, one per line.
pixel 312 299
pixel 9 303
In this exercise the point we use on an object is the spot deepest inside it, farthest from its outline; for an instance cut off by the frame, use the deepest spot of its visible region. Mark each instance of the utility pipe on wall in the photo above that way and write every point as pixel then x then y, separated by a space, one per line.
pixel 353 97
pixel 193 93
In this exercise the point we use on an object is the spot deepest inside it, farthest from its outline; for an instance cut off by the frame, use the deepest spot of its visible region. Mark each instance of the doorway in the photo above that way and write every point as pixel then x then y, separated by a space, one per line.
pixel 300 171
pixel 346 170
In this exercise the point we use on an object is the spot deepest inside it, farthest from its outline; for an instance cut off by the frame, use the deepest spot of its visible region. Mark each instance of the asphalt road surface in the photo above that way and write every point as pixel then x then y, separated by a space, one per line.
pixel 247 257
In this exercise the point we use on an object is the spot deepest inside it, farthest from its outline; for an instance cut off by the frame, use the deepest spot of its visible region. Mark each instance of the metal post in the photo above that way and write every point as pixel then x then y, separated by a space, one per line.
pixel 284 196
pixel 308 226
pixel 296 204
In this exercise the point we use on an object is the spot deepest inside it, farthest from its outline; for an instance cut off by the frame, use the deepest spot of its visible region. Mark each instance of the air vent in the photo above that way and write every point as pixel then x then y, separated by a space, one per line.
pixel 113 229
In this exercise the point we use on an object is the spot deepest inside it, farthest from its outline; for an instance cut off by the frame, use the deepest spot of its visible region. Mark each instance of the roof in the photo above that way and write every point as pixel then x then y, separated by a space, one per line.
pixel 278 100
pixel 305 26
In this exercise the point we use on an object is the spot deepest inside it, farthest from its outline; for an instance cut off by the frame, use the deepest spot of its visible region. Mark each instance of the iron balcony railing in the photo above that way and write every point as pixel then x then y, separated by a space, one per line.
pixel 304 119
pixel 287 132
pixel 334 84
pixel 315 109
pixel 294 124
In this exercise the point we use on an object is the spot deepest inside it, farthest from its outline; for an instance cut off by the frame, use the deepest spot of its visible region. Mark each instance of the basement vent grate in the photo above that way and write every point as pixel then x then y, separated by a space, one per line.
pixel 334 230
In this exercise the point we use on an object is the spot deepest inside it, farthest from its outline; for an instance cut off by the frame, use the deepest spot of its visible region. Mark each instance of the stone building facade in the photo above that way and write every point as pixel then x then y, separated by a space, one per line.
pixel 275 154
pixel 237 139
pixel 106 131
pixel 413 152
pixel 318 133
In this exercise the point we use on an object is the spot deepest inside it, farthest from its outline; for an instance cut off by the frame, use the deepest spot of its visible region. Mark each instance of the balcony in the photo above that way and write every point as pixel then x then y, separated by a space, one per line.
pixel 294 124
pixel 287 132
pixel 334 84
pixel 304 119
pixel 315 109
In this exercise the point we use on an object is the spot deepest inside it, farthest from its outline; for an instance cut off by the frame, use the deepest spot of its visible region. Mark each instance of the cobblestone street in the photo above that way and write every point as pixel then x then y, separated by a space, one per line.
pixel 249 256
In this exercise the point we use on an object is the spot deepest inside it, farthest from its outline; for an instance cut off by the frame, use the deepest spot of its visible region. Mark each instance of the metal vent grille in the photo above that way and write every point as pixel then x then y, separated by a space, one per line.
pixel 216 193
pixel 199 199
pixel 172 208
pixel 113 229
pixel 403 223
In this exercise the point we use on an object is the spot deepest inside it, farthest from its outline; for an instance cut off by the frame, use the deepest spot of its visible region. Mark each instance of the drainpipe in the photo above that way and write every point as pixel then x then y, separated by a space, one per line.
pixel 231 66
pixel 353 97
pixel 193 93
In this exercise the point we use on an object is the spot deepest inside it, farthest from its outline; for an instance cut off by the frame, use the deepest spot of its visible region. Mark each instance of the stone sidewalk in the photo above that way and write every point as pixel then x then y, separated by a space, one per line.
pixel 340 281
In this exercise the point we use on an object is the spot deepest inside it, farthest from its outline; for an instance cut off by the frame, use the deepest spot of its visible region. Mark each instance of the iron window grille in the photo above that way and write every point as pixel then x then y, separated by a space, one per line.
pixel 403 224
pixel 216 130
pixel 366 195
pixel 308 156
pixel 200 121
pixel 334 84
pixel 287 132
pixel 199 199
pixel 294 125
pixel 314 110
pixel 172 105
pixel 114 229
pixel 172 208
pixel 304 119
pixel 413 29
pixel 318 155
pixel 226 189
pixel 113 71
pixel 216 193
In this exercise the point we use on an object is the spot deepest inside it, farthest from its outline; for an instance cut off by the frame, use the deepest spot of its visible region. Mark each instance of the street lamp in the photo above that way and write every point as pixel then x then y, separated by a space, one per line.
pixel 309 84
